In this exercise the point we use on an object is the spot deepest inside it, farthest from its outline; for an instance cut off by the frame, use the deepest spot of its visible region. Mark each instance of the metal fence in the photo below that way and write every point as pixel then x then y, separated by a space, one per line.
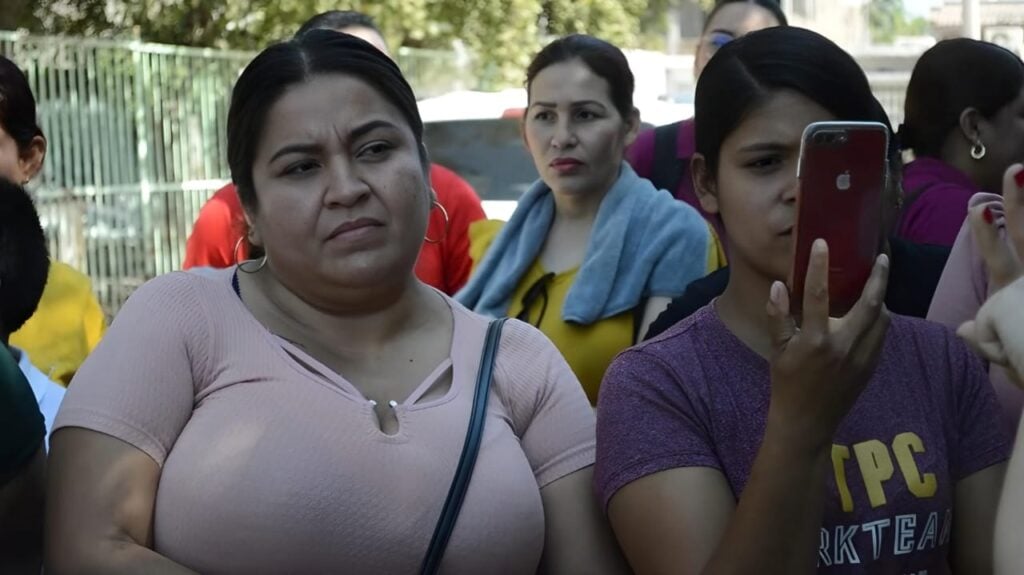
pixel 137 144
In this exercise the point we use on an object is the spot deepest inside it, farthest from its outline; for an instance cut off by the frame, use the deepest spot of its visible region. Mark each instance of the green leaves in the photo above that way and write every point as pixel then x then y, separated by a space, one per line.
pixel 501 35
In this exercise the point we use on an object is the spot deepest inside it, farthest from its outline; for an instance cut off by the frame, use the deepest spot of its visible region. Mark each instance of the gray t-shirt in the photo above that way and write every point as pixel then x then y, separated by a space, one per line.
pixel 696 396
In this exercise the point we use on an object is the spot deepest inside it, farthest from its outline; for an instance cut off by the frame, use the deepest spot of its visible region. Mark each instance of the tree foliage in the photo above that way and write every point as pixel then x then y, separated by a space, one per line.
pixel 887 20
pixel 502 34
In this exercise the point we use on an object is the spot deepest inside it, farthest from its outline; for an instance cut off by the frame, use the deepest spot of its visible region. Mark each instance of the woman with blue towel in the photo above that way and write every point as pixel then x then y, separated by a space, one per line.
pixel 593 253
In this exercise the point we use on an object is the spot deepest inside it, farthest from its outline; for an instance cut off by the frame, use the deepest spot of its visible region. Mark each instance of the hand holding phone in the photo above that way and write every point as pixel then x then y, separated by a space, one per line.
pixel 819 369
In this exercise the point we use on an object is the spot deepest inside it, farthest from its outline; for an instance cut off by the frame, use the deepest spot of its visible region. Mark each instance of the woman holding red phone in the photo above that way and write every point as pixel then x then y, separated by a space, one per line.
pixel 745 439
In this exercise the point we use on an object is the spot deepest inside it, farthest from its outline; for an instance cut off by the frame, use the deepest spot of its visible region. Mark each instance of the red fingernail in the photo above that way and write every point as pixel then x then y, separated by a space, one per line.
pixel 987 214
pixel 1019 178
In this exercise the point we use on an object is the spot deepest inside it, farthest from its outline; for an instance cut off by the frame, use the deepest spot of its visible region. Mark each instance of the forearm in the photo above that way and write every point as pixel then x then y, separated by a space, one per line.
pixel 786 488
pixel 113 557
pixel 1009 555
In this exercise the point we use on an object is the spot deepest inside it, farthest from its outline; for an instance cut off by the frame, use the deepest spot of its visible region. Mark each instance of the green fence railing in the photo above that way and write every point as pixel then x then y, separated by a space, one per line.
pixel 136 136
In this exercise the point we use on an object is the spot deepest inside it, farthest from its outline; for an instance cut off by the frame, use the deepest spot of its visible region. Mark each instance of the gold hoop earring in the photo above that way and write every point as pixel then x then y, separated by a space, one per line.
pixel 263 263
pixel 239 264
pixel 978 151
pixel 447 224
pixel 234 252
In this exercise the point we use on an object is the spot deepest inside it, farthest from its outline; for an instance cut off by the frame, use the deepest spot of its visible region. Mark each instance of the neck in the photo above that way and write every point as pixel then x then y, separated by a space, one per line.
pixel 353 321
pixel 742 308
pixel 958 155
pixel 577 207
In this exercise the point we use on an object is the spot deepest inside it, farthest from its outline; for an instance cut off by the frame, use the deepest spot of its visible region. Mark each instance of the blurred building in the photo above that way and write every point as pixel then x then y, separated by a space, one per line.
pixel 843 21
pixel 1001 22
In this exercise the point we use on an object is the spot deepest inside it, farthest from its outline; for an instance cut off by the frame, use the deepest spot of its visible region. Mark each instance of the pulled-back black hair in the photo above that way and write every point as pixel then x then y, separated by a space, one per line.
pixel 338 20
pixel 748 71
pixel 24 261
pixel 769 5
pixel 17 105
pixel 603 59
pixel 281 66
pixel 950 77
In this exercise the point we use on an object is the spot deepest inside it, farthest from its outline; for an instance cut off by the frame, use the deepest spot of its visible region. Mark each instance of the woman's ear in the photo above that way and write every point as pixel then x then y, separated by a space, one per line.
pixel 632 127
pixel 31 159
pixel 970 119
pixel 704 184
pixel 252 234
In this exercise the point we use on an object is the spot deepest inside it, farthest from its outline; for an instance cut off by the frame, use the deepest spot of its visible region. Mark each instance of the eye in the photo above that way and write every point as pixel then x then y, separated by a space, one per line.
pixel 586 115
pixel 765 164
pixel 300 168
pixel 543 115
pixel 375 150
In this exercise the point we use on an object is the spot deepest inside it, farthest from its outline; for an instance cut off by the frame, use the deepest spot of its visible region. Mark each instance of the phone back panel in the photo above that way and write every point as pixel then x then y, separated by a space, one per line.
pixel 842 179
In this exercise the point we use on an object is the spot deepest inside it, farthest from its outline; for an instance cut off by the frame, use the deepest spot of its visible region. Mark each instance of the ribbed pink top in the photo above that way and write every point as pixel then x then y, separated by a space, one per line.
pixel 269 467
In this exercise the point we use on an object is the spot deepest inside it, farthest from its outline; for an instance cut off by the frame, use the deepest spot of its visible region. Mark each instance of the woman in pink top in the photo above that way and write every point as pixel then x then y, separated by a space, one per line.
pixel 967 283
pixel 965 125
pixel 307 415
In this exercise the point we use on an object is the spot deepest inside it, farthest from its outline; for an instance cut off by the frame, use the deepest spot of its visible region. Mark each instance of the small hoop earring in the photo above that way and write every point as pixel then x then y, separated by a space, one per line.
pixel 978 151
pixel 447 224
pixel 239 265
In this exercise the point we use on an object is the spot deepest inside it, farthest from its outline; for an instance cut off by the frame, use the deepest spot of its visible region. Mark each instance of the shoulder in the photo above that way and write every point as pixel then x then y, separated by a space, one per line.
pixel 481 236
pixel 934 343
pixel 68 275
pixel 521 343
pixel 181 288
pixel 670 352
pixel 68 280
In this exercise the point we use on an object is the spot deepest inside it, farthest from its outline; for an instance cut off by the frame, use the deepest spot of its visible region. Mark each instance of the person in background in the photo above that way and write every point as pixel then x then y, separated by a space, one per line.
pixel 444 262
pixel 24 265
pixel 964 123
pixel 967 283
pixel 996 332
pixel 663 154
pixel 913 277
pixel 749 440
pixel 305 413
pixel 593 252
pixel 69 321
pixel 22 472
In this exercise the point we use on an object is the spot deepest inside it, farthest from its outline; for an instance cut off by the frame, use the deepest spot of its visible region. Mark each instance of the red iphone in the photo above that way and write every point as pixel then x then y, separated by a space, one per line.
pixel 843 173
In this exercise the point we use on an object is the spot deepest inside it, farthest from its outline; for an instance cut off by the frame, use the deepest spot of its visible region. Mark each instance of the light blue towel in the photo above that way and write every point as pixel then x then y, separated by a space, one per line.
pixel 644 244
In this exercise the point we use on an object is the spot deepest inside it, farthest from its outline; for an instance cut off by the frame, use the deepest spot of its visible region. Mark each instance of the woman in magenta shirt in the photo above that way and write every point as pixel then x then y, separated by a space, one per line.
pixel 965 124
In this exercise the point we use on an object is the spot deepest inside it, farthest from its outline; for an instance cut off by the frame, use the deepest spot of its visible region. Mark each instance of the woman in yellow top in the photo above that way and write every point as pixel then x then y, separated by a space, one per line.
pixel 593 253
pixel 69 322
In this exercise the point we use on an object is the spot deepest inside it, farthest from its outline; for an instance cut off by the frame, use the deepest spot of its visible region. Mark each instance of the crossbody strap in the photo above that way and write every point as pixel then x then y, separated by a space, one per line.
pixel 470 449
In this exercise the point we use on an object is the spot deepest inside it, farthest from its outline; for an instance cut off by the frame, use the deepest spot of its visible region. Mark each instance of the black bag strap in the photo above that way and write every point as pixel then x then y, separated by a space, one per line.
pixel 667 171
pixel 470 449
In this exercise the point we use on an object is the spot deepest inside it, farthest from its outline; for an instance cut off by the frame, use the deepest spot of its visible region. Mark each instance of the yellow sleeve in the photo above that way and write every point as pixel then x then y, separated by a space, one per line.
pixel 481 236
pixel 716 253
pixel 94 322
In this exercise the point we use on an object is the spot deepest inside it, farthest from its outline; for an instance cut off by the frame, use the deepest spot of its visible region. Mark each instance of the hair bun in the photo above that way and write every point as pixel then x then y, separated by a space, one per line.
pixel 904 137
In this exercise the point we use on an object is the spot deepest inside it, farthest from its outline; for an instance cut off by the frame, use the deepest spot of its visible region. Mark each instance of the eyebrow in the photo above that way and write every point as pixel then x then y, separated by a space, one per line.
pixel 577 104
pixel 764 147
pixel 722 31
pixel 356 133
